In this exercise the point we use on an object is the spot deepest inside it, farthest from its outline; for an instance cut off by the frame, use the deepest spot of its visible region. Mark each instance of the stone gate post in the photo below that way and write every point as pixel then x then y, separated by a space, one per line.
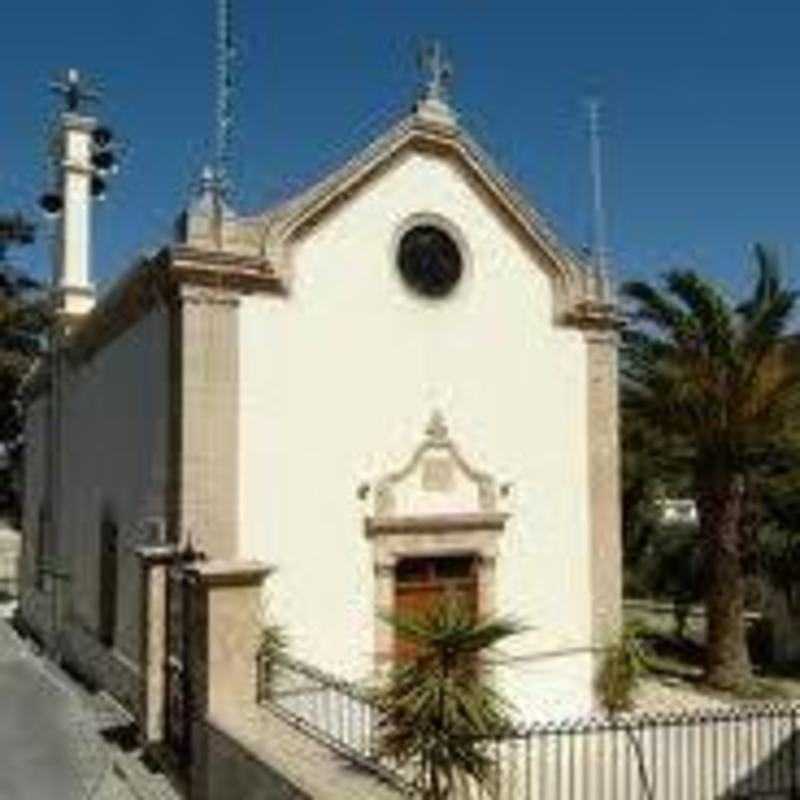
pixel 154 563
pixel 226 625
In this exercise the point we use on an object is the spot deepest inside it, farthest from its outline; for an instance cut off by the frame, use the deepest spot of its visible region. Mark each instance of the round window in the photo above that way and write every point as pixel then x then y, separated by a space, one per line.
pixel 429 261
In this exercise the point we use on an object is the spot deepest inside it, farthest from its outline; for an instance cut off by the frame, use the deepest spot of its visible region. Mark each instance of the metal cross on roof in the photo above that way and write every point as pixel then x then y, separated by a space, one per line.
pixel 440 71
pixel 75 91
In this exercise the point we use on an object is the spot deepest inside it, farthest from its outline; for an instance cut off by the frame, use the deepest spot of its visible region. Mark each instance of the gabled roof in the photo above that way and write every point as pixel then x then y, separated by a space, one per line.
pixel 431 126
pixel 251 254
pixel 425 127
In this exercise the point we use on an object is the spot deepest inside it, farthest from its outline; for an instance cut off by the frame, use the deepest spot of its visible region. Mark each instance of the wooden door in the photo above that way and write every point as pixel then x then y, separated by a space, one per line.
pixel 420 583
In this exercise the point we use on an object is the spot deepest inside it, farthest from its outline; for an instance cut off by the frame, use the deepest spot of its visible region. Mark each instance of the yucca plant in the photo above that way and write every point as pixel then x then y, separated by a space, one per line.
pixel 438 705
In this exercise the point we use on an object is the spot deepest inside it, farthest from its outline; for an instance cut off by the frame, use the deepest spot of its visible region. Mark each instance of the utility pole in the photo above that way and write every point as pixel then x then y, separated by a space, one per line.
pixel 82 154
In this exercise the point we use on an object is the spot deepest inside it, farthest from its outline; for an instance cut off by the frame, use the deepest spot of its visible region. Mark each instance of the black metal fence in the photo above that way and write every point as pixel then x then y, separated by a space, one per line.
pixel 336 712
pixel 738 754
pixel 747 753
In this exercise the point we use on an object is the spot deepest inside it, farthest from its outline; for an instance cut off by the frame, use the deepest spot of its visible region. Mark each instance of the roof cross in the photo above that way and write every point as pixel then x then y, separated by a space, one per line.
pixel 75 91
pixel 440 71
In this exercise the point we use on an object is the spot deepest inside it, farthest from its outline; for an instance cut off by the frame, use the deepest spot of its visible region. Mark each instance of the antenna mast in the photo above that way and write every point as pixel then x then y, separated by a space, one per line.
pixel 224 120
pixel 599 245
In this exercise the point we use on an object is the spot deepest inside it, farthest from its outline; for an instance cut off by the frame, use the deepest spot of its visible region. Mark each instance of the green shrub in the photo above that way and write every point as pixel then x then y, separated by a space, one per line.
pixel 624 662
pixel 273 644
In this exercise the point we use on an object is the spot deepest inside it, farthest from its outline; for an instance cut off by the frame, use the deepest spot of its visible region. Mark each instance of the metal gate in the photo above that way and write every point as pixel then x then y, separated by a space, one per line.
pixel 178 672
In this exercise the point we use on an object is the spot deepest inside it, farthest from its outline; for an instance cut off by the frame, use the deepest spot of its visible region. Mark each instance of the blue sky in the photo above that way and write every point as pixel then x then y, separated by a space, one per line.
pixel 701 109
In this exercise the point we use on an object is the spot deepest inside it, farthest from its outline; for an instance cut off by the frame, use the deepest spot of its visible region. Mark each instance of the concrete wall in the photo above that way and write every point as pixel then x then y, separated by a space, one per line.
pixel 225 768
pixel 113 465
pixel 337 384
pixel 258 755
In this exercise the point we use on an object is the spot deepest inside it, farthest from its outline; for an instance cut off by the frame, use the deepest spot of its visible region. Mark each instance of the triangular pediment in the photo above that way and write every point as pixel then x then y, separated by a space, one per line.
pixel 431 134
pixel 272 234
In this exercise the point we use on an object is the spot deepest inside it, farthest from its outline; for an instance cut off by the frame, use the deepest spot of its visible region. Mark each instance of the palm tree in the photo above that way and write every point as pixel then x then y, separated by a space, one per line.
pixel 720 382
pixel 438 708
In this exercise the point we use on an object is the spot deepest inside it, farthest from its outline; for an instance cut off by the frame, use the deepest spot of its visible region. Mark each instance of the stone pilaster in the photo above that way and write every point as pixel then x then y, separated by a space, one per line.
pixel 154 563
pixel 604 485
pixel 206 439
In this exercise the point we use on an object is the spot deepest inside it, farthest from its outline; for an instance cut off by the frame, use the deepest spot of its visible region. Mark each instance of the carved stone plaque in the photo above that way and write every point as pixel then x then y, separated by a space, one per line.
pixel 437 474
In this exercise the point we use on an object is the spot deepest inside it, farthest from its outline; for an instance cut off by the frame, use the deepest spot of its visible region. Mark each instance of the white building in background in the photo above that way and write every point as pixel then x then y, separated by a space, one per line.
pixel 677 511
pixel 395 383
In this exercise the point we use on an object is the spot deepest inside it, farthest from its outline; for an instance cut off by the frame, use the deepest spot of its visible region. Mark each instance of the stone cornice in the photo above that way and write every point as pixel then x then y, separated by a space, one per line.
pixel 595 319
pixel 216 269
pixel 158 554
pixel 484 521
pixel 159 279
pixel 229 573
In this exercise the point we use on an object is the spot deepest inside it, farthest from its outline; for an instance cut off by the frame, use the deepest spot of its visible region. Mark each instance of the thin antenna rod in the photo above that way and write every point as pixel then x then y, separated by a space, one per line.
pixel 225 56
pixel 599 245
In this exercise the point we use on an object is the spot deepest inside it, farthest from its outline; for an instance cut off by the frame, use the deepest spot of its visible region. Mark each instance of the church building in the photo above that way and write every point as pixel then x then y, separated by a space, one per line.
pixel 397 384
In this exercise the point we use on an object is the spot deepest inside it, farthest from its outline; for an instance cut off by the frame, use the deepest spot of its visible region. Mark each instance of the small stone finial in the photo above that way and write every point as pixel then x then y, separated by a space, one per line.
pixel 203 222
pixel 437 428
pixel 440 71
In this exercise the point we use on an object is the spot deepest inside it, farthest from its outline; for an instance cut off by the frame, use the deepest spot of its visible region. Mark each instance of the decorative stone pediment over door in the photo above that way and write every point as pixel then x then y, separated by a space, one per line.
pixel 436 507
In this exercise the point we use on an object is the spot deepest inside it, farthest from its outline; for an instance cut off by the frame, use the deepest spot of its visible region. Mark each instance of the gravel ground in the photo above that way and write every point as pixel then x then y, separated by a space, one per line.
pixel 659 696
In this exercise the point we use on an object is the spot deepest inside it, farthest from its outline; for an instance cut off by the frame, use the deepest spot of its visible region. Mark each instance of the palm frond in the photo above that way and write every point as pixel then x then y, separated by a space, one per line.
pixel 709 310
pixel 437 708
pixel 768 281
pixel 653 306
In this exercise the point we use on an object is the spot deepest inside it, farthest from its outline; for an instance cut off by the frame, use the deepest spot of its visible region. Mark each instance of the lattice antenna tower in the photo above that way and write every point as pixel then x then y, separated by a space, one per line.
pixel 599 231
pixel 225 51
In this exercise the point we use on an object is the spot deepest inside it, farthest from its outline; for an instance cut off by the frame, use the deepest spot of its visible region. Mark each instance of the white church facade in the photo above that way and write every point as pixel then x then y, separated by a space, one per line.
pixel 395 384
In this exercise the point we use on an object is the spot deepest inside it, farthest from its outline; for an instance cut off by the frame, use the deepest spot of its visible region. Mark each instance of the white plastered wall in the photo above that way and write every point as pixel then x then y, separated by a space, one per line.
pixel 338 383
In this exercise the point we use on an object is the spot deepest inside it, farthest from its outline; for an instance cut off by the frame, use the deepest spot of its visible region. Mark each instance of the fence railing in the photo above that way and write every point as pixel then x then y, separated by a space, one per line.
pixel 746 753
pixel 334 711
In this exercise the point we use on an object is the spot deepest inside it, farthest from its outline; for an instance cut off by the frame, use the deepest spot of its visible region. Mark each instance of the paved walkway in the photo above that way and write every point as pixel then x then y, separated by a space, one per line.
pixel 51 736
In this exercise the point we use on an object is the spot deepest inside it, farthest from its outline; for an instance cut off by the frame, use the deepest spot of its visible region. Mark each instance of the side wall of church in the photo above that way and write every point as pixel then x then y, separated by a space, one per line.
pixel 33 601
pixel 112 477
pixel 337 384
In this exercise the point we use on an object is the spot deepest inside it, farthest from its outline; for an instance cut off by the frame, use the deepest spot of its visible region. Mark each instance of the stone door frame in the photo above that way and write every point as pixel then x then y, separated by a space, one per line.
pixel 430 536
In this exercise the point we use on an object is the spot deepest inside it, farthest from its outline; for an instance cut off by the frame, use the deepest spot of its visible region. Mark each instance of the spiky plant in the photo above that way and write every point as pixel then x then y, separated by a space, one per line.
pixel 438 703
pixel 623 664
pixel 719 381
